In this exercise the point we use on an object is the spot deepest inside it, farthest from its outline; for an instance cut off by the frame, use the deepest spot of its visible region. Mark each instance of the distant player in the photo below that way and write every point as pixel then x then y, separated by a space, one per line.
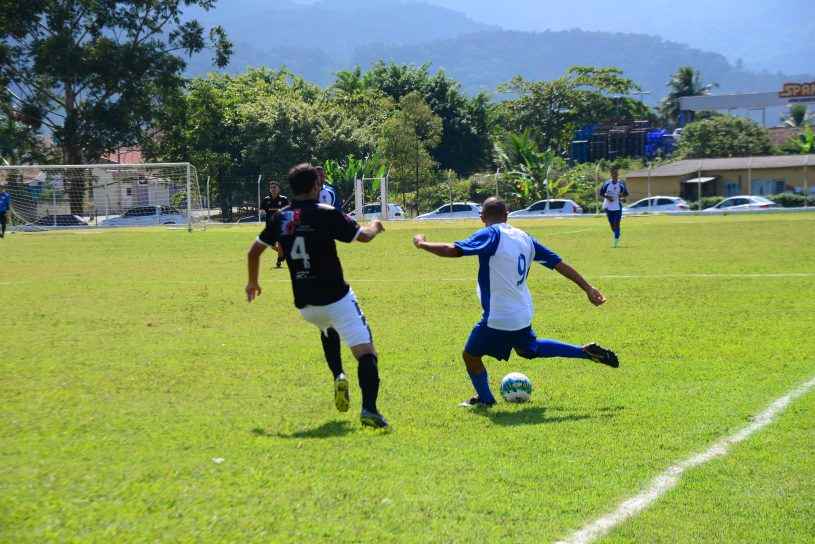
pixel 505 257
pixel 613 192
pixel 5 205
pixel 271 204
pixel 328 193
pixel 307 230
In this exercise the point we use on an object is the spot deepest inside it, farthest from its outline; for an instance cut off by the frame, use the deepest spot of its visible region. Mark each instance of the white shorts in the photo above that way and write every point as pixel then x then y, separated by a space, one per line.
pixel 344 316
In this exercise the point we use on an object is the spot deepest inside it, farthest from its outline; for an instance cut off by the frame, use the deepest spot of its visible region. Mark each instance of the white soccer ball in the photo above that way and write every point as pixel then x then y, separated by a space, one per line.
pixel 516 387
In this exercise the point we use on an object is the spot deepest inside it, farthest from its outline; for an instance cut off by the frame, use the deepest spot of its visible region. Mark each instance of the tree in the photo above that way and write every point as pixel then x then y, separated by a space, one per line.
pixel 552 110
pixel 724 136
pixel 466 143
pixel 94 72
pixel 407 139
pixel 797 117
pixel 534 173
pixel 803 144
pixel 685 82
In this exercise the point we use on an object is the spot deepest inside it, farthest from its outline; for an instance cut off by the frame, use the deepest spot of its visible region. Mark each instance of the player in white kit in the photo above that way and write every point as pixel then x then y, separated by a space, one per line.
pixel 505 258
pixel 613 192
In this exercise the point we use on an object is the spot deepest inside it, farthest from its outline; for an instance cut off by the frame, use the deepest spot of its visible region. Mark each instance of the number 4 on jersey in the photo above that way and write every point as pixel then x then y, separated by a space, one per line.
pixel 298 252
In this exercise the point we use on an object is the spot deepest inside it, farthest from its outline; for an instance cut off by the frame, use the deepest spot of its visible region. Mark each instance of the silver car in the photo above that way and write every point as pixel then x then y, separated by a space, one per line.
pixel 374 211
pixel 456 210
pixel 553 206
pixel 658 204
pixel 145 216
pixel 742 204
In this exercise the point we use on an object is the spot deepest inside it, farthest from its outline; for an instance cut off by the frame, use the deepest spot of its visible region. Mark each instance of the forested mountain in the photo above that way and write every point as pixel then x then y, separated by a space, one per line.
pixel 481 61
pixel 318 39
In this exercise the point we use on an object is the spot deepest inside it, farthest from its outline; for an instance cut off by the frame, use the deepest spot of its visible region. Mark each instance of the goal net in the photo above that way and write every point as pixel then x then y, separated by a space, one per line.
pixel 102 195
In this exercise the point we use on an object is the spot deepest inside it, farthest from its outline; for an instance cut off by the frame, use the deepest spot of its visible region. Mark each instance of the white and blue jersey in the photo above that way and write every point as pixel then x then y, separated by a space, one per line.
pixel 5 201
pixel 505 256
pixel 331 196
pixel 613 192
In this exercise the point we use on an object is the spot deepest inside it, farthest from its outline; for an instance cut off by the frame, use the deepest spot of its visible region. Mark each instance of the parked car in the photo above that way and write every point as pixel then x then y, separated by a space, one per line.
pixel 253 218
pixel 146 216
pixel 554 206
pixel 742 203
pixel 374 211
pixel 658 204
pixel 457 210
pixel 58 221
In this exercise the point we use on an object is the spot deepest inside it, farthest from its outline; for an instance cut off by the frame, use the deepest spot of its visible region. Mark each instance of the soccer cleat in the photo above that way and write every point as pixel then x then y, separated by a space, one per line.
pixel 372 419
pixel 341 398
pixel 476 402
pixel 601 355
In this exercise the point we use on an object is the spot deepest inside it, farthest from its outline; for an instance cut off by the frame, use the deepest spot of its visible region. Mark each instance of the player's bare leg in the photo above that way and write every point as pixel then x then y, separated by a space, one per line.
pixel 481 384
pixel 368 374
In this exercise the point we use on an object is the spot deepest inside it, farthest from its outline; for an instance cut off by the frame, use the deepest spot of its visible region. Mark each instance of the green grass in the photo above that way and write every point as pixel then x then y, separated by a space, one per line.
pixel 130 360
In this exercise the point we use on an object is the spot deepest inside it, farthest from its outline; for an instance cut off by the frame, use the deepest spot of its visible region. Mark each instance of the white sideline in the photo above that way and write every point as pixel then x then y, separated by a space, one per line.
pixel 670 477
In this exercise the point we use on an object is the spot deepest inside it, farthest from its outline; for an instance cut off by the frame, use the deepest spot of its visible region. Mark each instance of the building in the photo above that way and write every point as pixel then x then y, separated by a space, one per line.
pixel 725 177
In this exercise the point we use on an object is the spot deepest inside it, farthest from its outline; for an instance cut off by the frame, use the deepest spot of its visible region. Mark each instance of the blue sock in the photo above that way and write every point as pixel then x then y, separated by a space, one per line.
pixel 553 348
pixel 481 383
pixel 617 233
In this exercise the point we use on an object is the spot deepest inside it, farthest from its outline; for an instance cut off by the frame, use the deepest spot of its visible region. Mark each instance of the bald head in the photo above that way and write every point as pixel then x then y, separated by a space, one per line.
pixel 494 210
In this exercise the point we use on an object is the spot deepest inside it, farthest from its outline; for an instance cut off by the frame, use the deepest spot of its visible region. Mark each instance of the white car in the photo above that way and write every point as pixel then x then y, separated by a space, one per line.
pixel 542 208
pixel 374 211
pixel 147 215
pixel 658 204
pixel 742 203
pixel 457 210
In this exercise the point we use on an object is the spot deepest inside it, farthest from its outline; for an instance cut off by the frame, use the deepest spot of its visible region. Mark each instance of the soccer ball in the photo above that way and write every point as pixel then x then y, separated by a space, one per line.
pixel 516 387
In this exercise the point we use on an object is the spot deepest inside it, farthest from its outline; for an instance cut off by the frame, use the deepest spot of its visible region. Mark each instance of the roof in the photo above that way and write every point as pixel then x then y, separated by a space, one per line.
pixel 692 166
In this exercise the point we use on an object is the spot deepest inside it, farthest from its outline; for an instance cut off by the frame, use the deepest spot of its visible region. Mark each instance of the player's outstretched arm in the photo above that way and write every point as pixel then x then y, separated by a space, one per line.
pixel 595 296
pixel 442 250
pixel 253 289
pixel 369 232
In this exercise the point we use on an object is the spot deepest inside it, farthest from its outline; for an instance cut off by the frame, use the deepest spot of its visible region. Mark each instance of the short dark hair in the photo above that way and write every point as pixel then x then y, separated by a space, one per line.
pixel 302 178
pixel 494 208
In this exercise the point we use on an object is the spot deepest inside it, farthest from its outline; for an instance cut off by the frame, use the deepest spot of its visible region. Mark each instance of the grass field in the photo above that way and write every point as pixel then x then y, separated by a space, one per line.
pixel 131 363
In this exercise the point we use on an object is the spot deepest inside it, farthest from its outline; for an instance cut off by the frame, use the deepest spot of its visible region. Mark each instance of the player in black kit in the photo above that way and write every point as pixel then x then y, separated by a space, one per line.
pixel 271 204
pixel 307 231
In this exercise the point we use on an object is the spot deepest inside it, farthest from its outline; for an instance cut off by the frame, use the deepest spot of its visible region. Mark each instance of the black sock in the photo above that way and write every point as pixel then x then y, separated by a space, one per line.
pixel 368 381
pixel 331 350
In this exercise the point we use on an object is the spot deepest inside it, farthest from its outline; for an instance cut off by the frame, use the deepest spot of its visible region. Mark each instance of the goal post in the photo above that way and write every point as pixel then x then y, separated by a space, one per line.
pixel 377 186
pixel 45 197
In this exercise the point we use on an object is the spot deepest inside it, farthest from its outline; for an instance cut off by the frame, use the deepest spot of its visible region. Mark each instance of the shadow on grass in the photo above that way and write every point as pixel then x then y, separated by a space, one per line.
pixel 329 429
pixel 535 415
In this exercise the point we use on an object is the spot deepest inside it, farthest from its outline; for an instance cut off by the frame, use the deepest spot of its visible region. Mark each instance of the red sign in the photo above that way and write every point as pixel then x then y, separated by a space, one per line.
pixel 798 90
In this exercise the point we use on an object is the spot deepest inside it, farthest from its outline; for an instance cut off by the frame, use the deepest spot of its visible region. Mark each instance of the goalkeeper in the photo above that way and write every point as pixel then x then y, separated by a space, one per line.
pixel 271 204
pixel 5 204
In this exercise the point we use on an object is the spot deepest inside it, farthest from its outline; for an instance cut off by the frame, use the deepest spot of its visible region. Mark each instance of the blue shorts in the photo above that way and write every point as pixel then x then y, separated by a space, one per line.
pixel 614 216
pixel 499 344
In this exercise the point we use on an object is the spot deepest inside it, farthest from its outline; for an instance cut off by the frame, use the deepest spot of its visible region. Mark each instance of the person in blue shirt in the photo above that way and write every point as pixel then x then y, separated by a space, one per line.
pixel 5 205
pixel 328 193
pixel 505 256
pixel 614 192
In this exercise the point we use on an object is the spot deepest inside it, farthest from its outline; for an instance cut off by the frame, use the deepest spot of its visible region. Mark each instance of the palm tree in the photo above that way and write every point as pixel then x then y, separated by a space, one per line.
pixel 685 82
pixel 798 116
pixel 349 82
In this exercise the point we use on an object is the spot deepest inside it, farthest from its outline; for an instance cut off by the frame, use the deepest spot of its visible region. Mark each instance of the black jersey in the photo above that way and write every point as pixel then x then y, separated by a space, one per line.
pixel 307 230
pixel 271 204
